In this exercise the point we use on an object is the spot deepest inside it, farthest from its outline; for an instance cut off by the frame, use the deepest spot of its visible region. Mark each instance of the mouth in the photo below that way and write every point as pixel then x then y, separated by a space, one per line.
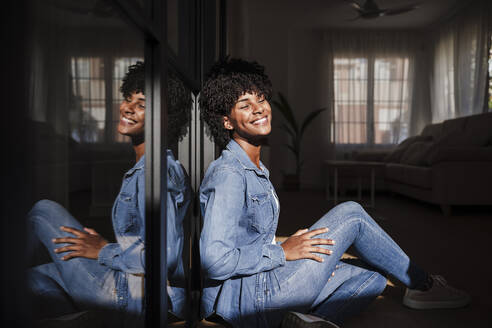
pixel 260 121
pixel 128 120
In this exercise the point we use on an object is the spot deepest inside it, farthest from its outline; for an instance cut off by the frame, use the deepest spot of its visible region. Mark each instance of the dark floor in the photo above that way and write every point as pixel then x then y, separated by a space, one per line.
pixel 457 247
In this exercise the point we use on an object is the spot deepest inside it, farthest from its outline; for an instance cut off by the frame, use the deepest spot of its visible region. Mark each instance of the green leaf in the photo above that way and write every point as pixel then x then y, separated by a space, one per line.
pixel 311 116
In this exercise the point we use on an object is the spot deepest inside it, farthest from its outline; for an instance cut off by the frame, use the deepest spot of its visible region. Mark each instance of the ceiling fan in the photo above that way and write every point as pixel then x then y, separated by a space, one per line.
pixel 370 9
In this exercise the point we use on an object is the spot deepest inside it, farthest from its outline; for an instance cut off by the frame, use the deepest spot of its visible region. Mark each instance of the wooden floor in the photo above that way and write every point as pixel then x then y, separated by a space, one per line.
pixel 457 247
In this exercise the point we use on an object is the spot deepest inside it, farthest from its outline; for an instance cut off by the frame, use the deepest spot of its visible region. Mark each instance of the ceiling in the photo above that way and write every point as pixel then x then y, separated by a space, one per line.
pixel 323 14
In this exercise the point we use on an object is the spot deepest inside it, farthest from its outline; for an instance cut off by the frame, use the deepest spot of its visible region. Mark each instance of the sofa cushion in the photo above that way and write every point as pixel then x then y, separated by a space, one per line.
pixel 432 130
pixel 418 176
pixel 397 153
pixel 453 125
pixel 478 129
pixel 416 154
pixel 461 154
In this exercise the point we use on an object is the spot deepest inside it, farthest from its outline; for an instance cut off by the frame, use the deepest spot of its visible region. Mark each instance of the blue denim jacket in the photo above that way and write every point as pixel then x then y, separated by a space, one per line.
pixel 240 216
pixel 127 256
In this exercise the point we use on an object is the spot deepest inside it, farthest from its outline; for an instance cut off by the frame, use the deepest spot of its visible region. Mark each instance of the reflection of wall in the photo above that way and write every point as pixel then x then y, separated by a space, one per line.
pixel 59 164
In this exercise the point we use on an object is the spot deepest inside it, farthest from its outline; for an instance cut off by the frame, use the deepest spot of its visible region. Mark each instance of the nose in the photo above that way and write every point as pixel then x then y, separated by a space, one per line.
pixel 258 108
pixel 127 107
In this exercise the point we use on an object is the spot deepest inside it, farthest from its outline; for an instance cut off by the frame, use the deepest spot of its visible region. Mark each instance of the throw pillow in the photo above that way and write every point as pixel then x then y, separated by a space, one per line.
pixel 416 153
pixel 397 153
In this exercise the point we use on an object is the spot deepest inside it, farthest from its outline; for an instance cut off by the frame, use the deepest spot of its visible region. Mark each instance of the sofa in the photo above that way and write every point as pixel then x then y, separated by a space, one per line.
pixel 449 163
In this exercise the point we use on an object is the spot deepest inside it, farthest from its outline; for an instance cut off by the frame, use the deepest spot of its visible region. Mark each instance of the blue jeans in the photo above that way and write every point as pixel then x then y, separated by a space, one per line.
pixel 62 287
pixel 308 286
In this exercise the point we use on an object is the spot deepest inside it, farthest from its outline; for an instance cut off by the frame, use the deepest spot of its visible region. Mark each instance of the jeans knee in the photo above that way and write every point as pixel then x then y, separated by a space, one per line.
pixel 353 206
pixel 380 282
pixel 42 208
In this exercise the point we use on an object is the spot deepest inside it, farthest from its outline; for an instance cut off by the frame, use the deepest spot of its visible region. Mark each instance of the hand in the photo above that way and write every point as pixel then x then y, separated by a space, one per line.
pixel 301 246
pixel 85 244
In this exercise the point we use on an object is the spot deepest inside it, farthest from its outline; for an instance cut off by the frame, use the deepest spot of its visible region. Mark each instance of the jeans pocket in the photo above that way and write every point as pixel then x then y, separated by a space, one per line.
pixel 262 214
pixel 125 213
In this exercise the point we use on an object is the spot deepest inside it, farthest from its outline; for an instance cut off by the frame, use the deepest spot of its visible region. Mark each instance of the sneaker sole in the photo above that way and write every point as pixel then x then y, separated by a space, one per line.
pixel 291 320
pixel 419 305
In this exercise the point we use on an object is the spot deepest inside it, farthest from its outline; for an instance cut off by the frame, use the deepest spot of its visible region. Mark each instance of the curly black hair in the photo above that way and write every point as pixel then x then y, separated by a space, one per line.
pixel 134 80
pixel 228 80
pixel 179 99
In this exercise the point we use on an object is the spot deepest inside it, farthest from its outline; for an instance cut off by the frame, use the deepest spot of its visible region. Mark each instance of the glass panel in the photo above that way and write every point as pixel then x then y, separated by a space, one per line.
pixel 350 108
pixel 80 154
pixel 182 34
pixel 180 196
pixel 391 103
pixel 490 77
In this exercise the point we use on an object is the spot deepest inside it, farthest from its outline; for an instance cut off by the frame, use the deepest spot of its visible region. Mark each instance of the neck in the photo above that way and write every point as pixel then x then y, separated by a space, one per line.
pixel 251 148
pixel 139 151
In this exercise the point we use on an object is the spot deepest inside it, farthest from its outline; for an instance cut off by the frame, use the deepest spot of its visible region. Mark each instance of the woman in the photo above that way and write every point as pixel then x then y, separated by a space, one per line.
pixel 86 270
pixel 250 280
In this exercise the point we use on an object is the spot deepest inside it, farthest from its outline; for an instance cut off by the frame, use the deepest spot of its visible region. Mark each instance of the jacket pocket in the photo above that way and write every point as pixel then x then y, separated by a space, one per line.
pixel 125 215
pixel 262 212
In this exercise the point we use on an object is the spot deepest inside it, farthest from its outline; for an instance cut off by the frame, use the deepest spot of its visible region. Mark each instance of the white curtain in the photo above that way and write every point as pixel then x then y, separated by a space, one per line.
pixel 459 75
pixel 371 76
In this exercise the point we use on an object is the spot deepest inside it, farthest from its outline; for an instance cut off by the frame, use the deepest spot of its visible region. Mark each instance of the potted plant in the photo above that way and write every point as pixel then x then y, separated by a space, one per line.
pixel 295 132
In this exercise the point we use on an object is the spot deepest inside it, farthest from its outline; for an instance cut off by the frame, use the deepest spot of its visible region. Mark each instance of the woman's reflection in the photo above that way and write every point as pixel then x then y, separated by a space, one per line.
pixel 87 271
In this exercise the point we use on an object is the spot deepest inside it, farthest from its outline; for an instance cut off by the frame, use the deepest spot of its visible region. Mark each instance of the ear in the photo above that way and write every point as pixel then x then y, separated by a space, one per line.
pixel 227 123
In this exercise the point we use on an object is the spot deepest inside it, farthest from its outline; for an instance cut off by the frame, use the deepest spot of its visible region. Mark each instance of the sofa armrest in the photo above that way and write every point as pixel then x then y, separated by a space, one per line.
pixel 460 154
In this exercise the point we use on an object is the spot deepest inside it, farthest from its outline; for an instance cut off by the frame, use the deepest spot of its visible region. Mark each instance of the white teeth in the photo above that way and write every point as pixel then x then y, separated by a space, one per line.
pixel 260 121
pixel 127 120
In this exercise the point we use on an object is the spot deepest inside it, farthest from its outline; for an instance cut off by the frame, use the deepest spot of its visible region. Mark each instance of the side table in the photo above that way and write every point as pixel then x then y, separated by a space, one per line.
pixel 360 167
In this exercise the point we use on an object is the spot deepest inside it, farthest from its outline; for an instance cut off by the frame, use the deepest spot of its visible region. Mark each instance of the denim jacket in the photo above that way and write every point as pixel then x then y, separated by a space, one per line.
pixel 127 256
pixel 240 216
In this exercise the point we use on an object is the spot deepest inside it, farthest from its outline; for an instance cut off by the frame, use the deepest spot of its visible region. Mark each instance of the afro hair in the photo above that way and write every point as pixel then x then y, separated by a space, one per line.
pixel 179 99
pixel 228 80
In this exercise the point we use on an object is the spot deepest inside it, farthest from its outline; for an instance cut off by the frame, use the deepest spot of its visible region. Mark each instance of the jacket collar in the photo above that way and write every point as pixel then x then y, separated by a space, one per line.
pixel 138 166
pixel 244 159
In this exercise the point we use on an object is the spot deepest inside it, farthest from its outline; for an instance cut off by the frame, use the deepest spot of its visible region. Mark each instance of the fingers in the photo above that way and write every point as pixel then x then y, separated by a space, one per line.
pixel 314 257
pixel 67 248
pixel 91 231
pixel 315 232
pixel 69 240
pixel 300 232
pixel 320 250
pixel 73 231
pixel 71 255
pixel 321 241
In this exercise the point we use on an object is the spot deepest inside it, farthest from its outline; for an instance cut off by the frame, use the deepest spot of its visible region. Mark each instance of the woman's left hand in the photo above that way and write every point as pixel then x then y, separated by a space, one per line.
pixel 301 245
pixel 86 243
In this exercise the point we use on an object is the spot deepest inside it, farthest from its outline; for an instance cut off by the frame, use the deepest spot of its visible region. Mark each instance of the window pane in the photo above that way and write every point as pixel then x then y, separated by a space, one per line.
pixel 350 110
pixel 391 103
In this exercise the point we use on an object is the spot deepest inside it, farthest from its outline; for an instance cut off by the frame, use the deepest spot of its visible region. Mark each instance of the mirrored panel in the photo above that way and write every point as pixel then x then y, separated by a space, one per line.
pixel 86 124
pixel 179 198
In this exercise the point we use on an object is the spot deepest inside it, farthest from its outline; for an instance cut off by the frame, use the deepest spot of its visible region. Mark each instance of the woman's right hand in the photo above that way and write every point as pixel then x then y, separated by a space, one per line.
pixel 301 245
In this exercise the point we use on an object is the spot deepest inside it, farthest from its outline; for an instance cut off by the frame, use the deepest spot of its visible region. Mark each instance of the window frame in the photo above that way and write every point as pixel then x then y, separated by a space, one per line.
pixel 371 102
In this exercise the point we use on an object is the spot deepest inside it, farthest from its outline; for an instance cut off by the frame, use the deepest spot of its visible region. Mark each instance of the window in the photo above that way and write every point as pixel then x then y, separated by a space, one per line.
pixel 371 104
pixel 93 110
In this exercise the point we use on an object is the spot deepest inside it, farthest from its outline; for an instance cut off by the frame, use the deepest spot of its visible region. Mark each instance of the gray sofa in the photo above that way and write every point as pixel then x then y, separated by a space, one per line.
pixel 449 163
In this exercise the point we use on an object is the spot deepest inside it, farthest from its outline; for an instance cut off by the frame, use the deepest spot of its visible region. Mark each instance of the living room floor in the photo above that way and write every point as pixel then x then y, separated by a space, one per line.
pixel 455 247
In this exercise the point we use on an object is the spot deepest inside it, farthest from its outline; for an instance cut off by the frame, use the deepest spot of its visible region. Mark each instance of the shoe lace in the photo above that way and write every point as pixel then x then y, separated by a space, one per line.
pixel 439 280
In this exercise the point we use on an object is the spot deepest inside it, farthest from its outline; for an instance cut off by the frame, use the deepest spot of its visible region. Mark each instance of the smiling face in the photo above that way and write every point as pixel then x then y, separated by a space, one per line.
pixel 132 116
pixel 250 118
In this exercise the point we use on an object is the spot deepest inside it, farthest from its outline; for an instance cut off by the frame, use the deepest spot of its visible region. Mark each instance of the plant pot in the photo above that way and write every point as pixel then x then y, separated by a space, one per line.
pixel 291 182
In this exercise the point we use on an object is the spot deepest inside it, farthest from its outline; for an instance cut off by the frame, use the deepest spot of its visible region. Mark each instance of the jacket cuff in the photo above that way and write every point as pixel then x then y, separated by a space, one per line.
pixel 108 253
pixel 277 255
